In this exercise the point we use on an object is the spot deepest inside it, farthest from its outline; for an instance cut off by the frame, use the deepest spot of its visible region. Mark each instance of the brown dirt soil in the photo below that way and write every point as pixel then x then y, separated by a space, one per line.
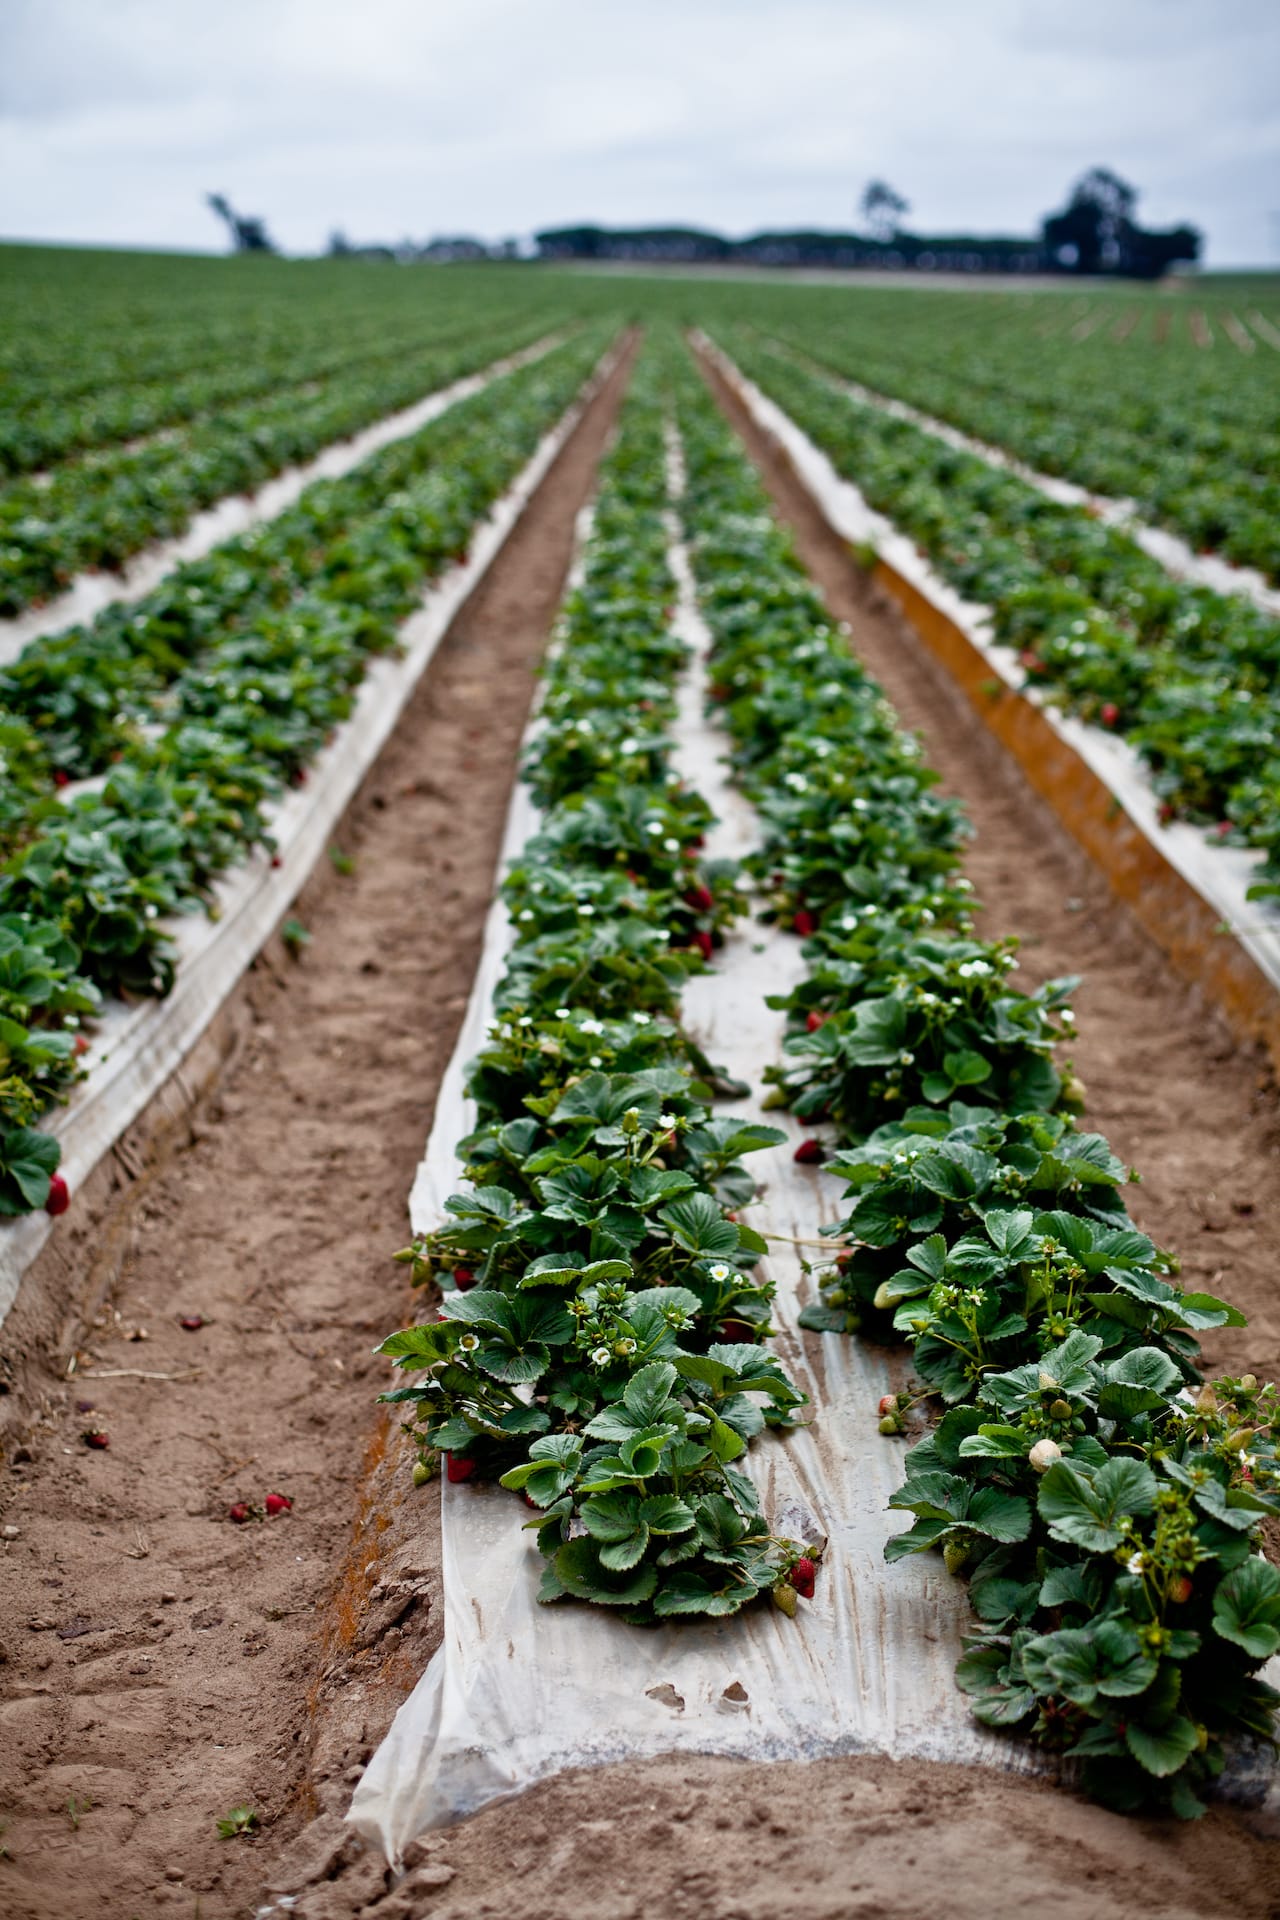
pixel 273 1224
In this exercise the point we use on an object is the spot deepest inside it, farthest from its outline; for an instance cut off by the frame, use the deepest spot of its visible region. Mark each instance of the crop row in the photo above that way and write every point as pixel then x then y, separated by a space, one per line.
pixel 599 1345
pixel 203 702
pixel 1199 457
pixel 96 513
pixel 95 349
pixel 1105 1505
pixel 1187 675
pixel 40 432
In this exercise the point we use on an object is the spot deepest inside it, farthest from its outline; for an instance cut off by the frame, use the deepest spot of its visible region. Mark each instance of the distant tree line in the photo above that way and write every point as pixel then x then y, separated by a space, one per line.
pixel 1095 233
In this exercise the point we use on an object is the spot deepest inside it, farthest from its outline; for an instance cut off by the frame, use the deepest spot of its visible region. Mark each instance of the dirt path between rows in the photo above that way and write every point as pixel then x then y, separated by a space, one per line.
pixel 158 1660
pixel 268 1676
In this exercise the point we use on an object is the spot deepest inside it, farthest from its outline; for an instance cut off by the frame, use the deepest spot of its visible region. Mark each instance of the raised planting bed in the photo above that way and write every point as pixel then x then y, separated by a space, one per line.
pixel 1192 890
pixel 141 1041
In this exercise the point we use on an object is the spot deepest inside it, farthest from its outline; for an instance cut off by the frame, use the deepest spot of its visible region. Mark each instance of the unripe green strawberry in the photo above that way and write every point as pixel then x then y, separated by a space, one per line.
pixel 890 1424
pixel 784 1597
pixel 1180 1590
pixel 954 1554
pixel 1060 1410
pixel 421 1473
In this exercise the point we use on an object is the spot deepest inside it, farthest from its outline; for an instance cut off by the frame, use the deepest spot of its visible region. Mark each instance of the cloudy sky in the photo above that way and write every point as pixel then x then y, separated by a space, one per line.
pixel 413 117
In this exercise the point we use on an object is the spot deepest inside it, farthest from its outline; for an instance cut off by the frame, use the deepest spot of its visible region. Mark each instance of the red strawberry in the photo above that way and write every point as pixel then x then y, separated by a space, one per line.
pixel 814 1020
pixel 844 1259
pixel 801 1577
pixel 1031 661
pixel 276 861
pixel 888 1403
pixel 61 779
pixel 458 1467
pixel 95 1437
pixel 298 778
pixel 80 1044
pixel 702 941
pixel 59 1195
pixel 240 1513
pixel 463 1278
pixel 1223 828
pixel 700 898
pixel 1164 813
pixel 1110 714
pixel 277 1503
pixel 737 1330
pixel 805 923
pixel 810 1153
pixel 191 1322
pixel 1180 1590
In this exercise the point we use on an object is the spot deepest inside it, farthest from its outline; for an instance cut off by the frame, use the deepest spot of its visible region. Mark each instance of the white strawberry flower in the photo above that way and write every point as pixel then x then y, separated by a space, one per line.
pixel 600 1356
pixel 720 1272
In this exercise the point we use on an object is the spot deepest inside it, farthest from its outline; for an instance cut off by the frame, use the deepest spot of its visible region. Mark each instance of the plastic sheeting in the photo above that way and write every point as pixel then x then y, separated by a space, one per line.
pixel 137 1048
pixel 518 1691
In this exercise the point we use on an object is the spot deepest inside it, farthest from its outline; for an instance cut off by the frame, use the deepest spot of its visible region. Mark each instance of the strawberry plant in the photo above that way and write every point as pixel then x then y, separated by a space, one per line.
pixel 1104 1505
pixel 599 1348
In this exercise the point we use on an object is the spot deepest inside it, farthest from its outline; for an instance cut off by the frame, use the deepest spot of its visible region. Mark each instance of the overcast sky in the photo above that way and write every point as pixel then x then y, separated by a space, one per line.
pixel 390 118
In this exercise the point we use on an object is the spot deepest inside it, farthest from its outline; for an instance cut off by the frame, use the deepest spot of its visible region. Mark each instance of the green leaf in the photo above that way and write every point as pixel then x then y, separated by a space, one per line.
pixel 697 1224
pixel 1137 1382
pixel 30 1159
pixel 1084 1512
pixel 580 1572
pixel 1246 1608
pixel 1162 1750
pixel 647 1392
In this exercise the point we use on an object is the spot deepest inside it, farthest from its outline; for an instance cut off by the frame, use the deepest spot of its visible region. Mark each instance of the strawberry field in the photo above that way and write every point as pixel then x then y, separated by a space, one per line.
pixel 802 1362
